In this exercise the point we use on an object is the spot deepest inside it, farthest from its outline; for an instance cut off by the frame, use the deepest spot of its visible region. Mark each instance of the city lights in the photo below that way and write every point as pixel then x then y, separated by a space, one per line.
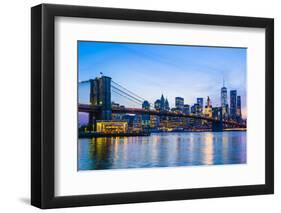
pixel 107 117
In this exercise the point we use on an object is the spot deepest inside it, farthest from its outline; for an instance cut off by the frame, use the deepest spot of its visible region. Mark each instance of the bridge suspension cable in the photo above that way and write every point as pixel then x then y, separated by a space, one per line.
pixel 83 82
pixel 122 91
pixel 127 94
pixel 128 91
pixel 128 98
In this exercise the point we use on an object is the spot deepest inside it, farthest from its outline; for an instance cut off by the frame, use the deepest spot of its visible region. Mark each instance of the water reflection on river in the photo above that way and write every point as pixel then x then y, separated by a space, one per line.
pixel 162 150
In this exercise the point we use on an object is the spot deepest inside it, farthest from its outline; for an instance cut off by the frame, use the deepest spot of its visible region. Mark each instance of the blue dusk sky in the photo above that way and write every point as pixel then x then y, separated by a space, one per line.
pixel 150 70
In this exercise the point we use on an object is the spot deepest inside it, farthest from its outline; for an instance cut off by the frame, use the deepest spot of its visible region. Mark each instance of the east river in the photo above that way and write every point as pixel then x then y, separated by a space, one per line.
pixel 163 150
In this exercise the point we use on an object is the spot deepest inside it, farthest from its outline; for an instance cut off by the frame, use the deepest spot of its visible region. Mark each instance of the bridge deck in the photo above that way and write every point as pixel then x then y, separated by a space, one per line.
pixel 89 108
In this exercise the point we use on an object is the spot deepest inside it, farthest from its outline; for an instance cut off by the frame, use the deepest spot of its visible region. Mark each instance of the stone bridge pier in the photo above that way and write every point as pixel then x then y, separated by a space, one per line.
pixel 100 96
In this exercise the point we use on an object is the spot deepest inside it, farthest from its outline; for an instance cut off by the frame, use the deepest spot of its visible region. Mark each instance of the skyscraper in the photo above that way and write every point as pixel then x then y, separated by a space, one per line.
pixel 145 118
pixel 224 104
pixel 179 103
pixel 238 110
pixel 186 109
pixel 216 112
pixel 167 107
pixel 162 103
pixel 197 109
pixel 233 104
pixel 208 108
pixel 192 109
pixel 200 102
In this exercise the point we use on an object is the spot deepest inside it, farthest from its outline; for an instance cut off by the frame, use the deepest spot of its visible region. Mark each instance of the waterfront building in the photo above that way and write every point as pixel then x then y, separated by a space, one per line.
pixel 171 124
pixel 238 109
pixel 186 109
pixel 146 105
pixel 145 118
pixel 137 123
pixel 179 103
pixel 117 116
pixel 224 105
pixel 111 127
pixel 233 104
pixel 200 102
pixel 129 118
pixel 157 105
pixel 134 122
pixel 154 121
pixel 208 112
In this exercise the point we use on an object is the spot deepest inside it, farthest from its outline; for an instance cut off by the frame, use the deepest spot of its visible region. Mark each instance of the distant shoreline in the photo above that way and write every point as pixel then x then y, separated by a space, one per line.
pixel 98 135
pixel 142 134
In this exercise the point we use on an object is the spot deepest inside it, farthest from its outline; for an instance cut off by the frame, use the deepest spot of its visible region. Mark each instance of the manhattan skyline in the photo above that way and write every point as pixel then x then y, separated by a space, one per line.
pixel 152 70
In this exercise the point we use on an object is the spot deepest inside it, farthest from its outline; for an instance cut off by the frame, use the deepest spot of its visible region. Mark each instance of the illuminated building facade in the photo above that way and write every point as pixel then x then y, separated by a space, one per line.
pixel 179 103
pixel 111 127
pixel 154 121
pixel 186 109
pixel 208 108
pixel 134 122
pixel 224 105
pixel 200 102
pixel 137 123
pixel 145 121
pixel 103 120
pixel 197 109
pixel 238 109
pixel 233 104
pixel 117 117
pixel 216 112
pixel 145 118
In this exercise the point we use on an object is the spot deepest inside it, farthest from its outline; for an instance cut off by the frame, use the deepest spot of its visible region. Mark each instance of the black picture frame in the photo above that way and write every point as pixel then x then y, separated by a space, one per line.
pixel 43 102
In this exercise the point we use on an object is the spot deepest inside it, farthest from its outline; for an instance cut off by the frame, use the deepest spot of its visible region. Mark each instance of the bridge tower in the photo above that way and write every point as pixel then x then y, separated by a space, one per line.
pixel 217 126
pixel 100 95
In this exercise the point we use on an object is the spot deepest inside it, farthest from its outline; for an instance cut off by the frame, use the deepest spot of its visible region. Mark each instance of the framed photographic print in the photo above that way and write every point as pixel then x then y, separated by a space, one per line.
pixel 139 106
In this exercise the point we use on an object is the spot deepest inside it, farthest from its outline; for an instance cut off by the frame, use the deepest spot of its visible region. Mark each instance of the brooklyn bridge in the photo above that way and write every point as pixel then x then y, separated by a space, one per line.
pixel 100 106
